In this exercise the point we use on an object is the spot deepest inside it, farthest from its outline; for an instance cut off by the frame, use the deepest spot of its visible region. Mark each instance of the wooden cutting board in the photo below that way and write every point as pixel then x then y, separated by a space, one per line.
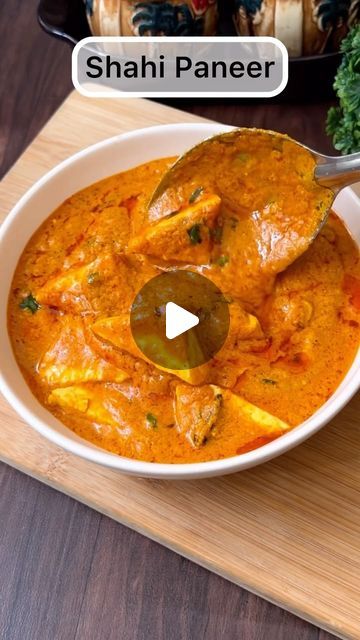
pixel 288 530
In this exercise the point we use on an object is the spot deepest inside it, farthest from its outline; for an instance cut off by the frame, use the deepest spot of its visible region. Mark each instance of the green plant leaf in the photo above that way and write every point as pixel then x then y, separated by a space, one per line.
pixel 30 303
pixel 343 121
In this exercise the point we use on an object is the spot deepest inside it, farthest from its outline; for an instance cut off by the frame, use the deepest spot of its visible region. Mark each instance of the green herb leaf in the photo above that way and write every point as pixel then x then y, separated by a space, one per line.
pixel 222 261
pixel 343 121
pixel 151 420
pixel 194 234
pixel 196 194
pixel 93 277
pixel 242 157
pixel 30 303
pixel 216 234
pixel 269 381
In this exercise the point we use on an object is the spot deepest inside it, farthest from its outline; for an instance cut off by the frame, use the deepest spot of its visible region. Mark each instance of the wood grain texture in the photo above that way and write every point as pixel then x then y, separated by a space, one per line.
pixel 288 530
pixel 34 77
pixel 69 573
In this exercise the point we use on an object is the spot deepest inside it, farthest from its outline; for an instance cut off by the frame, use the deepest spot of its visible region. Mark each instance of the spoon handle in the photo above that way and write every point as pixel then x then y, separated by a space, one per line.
pixel 339 171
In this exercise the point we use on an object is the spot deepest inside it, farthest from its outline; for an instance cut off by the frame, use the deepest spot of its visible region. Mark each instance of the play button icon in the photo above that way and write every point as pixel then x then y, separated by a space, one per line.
pixel 179 319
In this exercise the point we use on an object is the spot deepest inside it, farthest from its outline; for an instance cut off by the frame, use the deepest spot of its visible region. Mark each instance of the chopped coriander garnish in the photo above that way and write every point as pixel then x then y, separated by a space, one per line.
pixel 30 303
pixel 151 420
pixel 194 234
pixel 242 157
pixel 93 277
pixel 195 195
pixel 222 261
pixel 216 234
pixel 269 381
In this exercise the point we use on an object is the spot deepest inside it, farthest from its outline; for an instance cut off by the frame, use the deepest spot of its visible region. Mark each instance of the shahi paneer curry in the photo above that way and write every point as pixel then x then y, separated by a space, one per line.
pixel 242 220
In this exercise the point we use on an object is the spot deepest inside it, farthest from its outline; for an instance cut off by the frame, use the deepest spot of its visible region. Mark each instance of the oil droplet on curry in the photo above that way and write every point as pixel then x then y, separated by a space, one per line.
pixel 294 328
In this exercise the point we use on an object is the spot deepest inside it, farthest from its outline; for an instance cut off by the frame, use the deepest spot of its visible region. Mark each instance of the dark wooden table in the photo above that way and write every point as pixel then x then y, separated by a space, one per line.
pixel 67 572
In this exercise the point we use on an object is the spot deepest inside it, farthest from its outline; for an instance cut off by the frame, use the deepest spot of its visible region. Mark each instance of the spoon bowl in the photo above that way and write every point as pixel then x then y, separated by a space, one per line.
pixel 268 193
pixel 254 161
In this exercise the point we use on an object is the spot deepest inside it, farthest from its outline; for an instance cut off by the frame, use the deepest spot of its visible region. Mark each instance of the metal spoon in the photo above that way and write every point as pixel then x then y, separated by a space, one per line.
pixel 334 172
pixel 331 173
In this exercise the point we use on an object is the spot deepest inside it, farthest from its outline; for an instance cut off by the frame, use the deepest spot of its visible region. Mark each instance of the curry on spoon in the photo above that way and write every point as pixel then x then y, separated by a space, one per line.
pixel 275 197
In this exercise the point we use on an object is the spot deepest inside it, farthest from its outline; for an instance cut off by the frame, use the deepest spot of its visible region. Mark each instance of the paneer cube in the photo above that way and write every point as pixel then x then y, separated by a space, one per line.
pixel 200 413
pixel 117 332
pixel 106 284
pixel 85 400
pixel 71 359
pixel 109 232
pixel 196 411
pixel 245 334
pixel 184 236
pixel 251 421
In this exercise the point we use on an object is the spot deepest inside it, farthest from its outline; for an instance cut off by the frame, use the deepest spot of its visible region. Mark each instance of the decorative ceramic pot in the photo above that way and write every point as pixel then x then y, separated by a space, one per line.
pixel 152 17
pixel 306 27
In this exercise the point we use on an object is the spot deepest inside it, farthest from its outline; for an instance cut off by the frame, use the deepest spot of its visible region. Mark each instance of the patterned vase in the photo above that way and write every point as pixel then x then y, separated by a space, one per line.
pixel 306 27
pixel 152 17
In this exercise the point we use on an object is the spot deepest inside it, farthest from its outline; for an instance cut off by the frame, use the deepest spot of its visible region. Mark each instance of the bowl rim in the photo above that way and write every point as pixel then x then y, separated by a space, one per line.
pixel 347 388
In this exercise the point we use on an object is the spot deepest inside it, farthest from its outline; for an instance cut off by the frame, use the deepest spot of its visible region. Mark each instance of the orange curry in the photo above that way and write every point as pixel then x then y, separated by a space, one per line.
pixel 294 330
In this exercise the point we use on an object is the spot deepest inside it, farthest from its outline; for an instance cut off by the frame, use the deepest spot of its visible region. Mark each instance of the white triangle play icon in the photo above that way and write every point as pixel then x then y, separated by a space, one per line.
pixel 178 320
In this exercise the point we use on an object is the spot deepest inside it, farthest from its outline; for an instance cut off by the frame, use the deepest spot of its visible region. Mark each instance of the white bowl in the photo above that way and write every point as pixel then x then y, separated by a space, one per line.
pixel 88 166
